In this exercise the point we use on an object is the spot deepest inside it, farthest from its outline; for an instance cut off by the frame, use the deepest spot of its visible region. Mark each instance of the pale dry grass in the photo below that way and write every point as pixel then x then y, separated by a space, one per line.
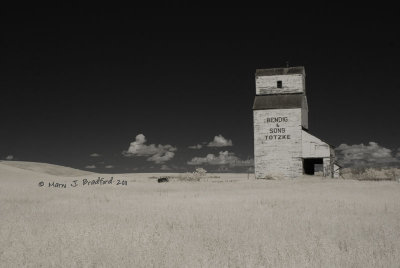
pixel 371 174
pixel 223 222
pixel 46 168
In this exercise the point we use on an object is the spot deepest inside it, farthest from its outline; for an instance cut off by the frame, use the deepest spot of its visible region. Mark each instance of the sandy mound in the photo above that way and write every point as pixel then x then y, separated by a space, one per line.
pixel 44 168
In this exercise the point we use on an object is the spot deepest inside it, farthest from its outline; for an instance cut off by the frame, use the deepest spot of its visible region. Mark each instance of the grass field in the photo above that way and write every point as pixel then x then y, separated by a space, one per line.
pixel 230 221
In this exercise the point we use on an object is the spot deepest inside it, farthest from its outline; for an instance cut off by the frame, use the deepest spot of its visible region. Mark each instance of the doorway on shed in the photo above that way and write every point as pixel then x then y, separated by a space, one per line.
pixel 311 165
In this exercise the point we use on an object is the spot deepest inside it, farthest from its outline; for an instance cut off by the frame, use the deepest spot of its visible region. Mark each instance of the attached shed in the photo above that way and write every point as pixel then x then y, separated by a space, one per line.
pixel 315 151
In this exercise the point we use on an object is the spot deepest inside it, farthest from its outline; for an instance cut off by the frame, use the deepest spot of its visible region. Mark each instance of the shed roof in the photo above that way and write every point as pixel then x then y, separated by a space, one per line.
pixel 330 145
pixel 278 101
pixel 281 71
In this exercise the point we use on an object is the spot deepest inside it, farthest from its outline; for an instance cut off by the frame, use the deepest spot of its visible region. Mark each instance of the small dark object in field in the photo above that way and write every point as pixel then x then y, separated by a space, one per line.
pixel 162 180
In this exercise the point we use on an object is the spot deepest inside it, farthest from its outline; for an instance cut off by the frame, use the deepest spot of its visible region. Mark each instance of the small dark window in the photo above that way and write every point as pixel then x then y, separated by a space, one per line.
pixel 279 84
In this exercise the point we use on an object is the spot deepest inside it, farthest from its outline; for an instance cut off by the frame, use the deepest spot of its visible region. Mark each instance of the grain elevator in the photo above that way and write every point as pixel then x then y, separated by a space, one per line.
pixel 283 147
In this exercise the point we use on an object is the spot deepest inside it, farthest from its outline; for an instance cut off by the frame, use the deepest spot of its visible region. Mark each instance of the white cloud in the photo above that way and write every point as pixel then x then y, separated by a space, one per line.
pixel 224 158
pixel 95 155
pixel 220 141
pixel 165 167
pixel 109 166
pixel 90 166
pixel 158 154
pixel 398 153
pixel 365 155
pixel 9 157
pixel 197 146
pixel 162 157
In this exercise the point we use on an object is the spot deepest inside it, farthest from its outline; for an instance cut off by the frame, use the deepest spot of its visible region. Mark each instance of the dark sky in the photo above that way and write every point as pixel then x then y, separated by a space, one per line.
pixel 76 81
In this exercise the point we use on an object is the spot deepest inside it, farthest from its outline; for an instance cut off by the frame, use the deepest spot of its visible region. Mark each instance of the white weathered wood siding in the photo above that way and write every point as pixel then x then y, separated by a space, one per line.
pixel 332 162
pixel 314 147
pixel 328 166
pixel 336 171
pixel 291 83
pixel 277 145
pixel 304 113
